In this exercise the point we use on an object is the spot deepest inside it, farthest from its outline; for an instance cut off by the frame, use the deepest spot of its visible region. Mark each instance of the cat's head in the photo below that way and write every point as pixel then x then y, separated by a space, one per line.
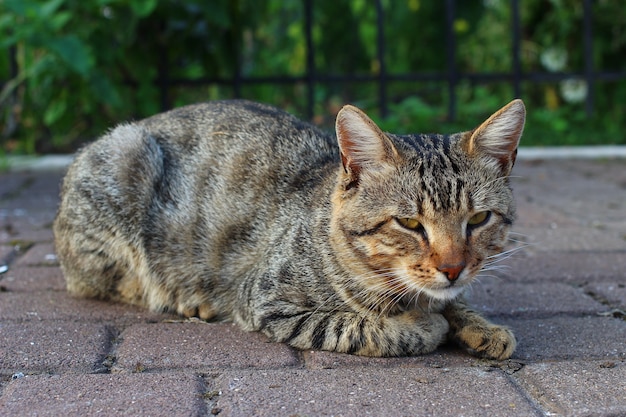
pixel 422 214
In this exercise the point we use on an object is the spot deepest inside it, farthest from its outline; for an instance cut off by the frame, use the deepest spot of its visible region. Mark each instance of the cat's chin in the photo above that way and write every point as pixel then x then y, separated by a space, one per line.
pixel 444 294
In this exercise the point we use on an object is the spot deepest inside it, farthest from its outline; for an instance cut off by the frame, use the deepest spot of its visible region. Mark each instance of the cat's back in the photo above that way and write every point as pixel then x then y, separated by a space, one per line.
pixel 221 143
pixel 243 133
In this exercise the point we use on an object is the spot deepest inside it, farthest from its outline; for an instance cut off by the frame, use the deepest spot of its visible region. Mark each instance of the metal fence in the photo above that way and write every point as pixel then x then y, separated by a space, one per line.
pixel 451 76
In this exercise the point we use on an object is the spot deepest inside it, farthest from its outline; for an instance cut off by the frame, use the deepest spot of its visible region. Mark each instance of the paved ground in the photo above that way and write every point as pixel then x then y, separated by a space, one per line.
pixel 564 294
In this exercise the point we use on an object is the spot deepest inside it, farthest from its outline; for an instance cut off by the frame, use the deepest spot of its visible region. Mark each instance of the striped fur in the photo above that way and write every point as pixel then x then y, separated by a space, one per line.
pixel 237 211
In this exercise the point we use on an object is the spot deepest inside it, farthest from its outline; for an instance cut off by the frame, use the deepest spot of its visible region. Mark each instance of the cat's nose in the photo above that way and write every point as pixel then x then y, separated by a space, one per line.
pixel 451 272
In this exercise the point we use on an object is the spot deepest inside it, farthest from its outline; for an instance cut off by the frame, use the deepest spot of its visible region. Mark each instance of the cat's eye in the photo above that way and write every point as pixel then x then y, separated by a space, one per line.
pixel 479 219
pixel 409 223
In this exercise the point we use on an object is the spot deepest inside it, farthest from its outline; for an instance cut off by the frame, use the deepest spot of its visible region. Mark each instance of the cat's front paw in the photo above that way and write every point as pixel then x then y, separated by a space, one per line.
pixel 203 311
pixel 491 342
pixel 433 329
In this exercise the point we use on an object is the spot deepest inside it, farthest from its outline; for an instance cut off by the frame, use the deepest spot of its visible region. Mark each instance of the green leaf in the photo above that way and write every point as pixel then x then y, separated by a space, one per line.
pixel 143 8
pixel 73 51
pixel 18 7
pixel 48 8
pixel 60 19
pixel 104 89
pixel 55 111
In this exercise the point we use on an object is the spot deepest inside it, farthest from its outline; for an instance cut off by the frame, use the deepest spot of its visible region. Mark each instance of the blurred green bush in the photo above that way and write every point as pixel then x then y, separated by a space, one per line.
pixel 72 68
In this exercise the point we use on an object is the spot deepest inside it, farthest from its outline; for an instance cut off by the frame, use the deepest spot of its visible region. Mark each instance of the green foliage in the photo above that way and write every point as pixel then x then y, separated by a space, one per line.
pixel 82 66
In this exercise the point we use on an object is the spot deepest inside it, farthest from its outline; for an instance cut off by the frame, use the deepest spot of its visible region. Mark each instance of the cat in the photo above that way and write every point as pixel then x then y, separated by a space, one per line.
pixel 361 242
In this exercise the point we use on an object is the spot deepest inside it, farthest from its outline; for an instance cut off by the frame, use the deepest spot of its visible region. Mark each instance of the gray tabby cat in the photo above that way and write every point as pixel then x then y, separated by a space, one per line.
pixel 237 211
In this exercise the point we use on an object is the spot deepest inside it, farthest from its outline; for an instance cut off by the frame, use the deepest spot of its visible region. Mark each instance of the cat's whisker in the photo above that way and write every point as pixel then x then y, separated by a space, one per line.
pixel 392 303
pixel 415 298
pixel 514 232
pixel 507 253
pixel 478 278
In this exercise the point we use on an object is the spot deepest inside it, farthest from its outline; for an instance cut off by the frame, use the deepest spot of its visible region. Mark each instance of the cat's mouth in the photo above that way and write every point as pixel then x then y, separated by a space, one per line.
pixel 444 294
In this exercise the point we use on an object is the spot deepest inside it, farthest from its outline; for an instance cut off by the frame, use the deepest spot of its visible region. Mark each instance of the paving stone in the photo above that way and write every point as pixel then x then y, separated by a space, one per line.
pixel 574 267
pixel 586 193
pixel 52 347
pixel 59 305
pixel 12 183
pixel 5 251
pixel 495 297
pixel 573 239
pixel 365 391
pixel 199 345
pixel 612 293
pixel 569 338
pixel 34 228
pixel 589 388
pixel 33 279
pixel 105 394
pixel 444 356
pixel 552 175
pixel 40 254
pixel 532 215
pixel 36 192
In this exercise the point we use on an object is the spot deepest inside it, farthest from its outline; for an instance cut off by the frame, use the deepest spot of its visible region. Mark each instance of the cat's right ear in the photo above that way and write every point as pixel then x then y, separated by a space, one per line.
pixel 361 142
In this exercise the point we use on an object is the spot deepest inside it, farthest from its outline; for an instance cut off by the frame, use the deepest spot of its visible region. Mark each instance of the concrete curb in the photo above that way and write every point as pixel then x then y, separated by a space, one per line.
pixel 59 162
pixel 36 163
pixel 572 152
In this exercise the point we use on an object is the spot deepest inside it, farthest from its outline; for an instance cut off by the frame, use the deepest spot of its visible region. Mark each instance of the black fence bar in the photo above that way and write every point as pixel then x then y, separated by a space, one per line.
pixel 452 77
pixel 588 54
pixel 164 80
pixel 310 59
pixel 475 77
pixel 516 36
pixel 236 47
pixel 380 52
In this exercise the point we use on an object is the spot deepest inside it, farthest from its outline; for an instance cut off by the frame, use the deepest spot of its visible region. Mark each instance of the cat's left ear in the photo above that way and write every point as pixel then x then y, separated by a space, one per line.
pixel 498 137
pixel 361 142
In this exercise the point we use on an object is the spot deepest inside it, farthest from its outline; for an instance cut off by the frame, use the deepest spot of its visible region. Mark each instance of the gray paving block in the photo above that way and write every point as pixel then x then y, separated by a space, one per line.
pixel 444 356
pixel 570 267
pixel 105 394
pixel 611 293
pixel 35 192
pixel 5 251
pixel 11 184
pixel 575 180
pixel 494 296
pixel 33 279
pixel 40 254
pixel 52 347
pixel 532 215
pixel 572 239
pixel 563 337
pixel 199 345
pixel 589 388
pixel 32 227
pixel 376 392
pixel 59 305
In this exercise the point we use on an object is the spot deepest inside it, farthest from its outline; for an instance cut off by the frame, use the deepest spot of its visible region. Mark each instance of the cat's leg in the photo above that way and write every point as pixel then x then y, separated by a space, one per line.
pixel 98 228
pixel 476 334
pixel 92 261
pixel 409 333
